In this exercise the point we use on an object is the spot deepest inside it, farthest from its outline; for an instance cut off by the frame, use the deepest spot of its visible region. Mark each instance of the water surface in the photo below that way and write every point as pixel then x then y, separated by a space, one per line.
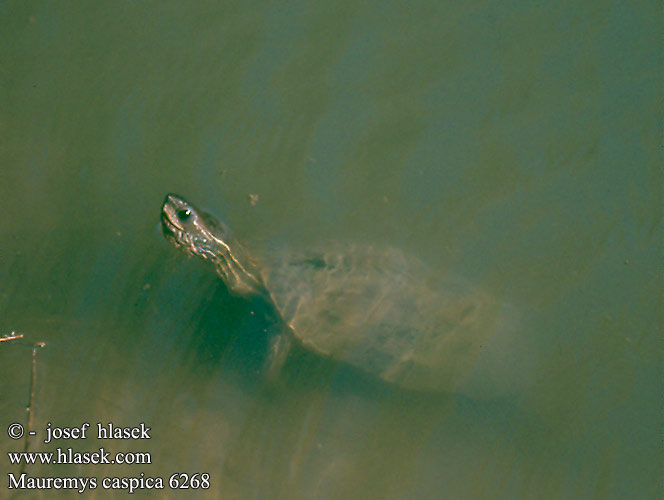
pixel 513 145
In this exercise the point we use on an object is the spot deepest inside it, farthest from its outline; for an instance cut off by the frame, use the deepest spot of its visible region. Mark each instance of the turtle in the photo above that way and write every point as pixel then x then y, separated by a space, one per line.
pixel 372 307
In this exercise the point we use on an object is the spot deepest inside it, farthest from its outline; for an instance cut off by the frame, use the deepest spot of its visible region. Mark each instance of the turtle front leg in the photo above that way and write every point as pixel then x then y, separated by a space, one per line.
pixel 280 346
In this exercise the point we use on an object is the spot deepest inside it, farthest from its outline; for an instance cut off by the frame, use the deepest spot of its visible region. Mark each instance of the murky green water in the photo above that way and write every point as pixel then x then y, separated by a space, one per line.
pixel 514 145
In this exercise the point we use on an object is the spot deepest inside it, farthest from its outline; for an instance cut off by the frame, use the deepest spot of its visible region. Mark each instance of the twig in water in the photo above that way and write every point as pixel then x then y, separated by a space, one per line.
pixel 31 402
pixel 11 336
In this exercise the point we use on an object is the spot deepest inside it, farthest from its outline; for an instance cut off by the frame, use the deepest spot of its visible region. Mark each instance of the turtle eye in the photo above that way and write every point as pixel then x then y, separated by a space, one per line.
pixel 184 215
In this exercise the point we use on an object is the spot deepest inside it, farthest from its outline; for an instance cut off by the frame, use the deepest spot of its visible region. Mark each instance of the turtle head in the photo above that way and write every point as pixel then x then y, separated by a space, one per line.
pixel 200 234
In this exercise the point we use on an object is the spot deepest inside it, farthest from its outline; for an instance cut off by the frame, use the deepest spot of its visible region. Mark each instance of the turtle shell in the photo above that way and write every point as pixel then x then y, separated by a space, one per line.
pixel 375 308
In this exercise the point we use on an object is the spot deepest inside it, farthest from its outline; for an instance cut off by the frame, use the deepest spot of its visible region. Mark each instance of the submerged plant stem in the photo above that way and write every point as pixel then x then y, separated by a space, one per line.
pixel 31 401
